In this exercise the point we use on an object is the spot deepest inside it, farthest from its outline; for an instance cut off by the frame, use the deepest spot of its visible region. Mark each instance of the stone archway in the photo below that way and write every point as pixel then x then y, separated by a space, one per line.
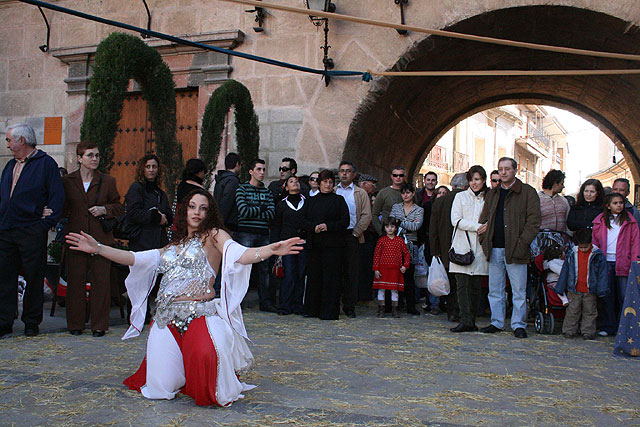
pixel 403 117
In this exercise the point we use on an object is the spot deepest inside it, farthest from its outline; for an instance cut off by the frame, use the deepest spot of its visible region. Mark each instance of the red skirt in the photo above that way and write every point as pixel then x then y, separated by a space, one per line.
pixel 390 278
pixel 200 364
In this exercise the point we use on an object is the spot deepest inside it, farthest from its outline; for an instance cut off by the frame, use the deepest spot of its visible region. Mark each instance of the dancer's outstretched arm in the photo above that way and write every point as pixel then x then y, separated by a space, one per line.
pixel 291 246
pixel 83 242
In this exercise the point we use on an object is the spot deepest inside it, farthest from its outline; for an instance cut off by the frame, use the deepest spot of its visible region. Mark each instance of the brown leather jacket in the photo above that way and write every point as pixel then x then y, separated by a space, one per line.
pixel 521 221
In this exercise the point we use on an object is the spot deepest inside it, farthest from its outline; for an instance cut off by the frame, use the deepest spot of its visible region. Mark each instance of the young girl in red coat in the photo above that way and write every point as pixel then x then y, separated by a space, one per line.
pixel 390 260
pixel 615 231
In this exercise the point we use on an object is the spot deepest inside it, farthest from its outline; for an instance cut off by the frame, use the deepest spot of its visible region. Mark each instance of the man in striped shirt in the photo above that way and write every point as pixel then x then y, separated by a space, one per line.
pixel 255 210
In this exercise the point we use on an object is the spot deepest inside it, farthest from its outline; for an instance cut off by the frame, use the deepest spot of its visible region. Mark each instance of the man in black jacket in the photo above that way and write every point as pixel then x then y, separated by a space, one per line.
pixel 224 192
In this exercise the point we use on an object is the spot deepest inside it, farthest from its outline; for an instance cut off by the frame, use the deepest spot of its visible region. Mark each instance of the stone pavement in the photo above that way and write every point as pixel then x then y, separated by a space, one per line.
pixel 365 371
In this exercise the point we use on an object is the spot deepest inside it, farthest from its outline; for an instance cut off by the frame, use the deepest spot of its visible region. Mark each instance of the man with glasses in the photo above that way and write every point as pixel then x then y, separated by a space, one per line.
pixel 622 186
pixel 425 198
pixel 288 167
pixel 387 197
pixel 30 184
pixel 359 219
pixel 495 178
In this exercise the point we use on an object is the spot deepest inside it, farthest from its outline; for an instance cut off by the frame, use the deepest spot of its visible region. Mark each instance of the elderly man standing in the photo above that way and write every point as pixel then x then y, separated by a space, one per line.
pixel 440 232
pixel 387 197
pixel 30 183
pixel 359 219
pixel 510 221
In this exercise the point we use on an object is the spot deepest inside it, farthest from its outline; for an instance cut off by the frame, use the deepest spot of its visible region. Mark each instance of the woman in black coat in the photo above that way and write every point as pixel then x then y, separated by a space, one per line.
pixel 147 207
pixel 287 223
pixel 326 222
pixel 588 205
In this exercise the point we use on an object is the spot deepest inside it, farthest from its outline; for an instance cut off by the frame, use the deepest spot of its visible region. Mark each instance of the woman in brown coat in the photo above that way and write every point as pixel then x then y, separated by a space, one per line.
pixel 89 195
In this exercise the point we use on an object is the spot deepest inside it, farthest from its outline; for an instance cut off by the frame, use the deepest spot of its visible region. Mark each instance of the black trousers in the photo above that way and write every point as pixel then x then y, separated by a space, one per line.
pixel 26 248
pixel 469 294
pixel 350 273
pixel 322 295
pixel 410 288
pixel 365 279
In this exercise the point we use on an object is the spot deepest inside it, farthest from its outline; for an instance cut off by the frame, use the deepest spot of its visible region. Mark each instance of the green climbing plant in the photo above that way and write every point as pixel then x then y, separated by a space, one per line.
pixel 121 57
pixel 230 94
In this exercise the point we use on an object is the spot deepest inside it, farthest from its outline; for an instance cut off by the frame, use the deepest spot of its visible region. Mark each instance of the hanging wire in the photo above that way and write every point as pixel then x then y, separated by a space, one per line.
pixel 45 47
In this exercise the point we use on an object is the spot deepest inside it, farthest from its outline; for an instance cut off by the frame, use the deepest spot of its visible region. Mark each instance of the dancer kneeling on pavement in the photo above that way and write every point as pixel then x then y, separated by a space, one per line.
pixel 197 344
pixel 390 261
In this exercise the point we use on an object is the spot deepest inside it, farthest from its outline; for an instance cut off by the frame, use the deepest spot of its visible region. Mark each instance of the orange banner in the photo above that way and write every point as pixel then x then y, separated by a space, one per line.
pixel 52 130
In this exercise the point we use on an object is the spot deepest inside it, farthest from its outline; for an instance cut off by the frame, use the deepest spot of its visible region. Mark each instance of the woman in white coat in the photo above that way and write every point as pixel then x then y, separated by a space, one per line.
pixel 465 212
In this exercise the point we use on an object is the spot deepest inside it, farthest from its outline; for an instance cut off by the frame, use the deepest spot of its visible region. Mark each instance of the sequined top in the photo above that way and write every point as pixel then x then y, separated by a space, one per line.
pixel 186 273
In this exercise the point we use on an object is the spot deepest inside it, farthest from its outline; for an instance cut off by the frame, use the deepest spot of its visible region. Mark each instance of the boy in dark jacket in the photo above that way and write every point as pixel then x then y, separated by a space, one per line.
pixel 584 279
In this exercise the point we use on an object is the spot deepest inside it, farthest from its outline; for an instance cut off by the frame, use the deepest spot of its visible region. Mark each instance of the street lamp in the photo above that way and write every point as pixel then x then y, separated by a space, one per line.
pixel 323 6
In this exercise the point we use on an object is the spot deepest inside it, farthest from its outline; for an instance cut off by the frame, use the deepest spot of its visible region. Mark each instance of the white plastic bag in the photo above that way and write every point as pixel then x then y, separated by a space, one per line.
pixel 438 282
pixel 421 269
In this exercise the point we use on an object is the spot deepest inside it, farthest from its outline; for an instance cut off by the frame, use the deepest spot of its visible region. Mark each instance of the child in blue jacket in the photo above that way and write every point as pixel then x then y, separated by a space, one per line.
pixel 583 278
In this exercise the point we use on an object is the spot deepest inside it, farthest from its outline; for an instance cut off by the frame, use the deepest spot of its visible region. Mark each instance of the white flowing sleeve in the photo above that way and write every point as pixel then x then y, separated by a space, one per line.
pixel 234 286
pixel 139 282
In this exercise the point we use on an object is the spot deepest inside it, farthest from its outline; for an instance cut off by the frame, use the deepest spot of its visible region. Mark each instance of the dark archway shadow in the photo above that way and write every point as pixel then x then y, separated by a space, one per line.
pixel 403 117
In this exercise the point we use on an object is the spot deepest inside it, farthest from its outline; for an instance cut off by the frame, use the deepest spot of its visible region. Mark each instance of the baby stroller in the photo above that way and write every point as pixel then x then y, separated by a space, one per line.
pixel 544 303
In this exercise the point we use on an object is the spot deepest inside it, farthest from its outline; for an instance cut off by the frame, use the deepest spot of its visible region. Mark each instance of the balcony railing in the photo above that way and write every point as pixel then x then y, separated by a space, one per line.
pixel 537 135
pixel 437 158
pixel 460 162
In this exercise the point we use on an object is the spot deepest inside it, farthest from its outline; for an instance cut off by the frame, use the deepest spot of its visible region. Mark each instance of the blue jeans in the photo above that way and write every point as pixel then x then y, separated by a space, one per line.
pixel 260 271
pixel 613 301
pixel 292 287
pixel 497 295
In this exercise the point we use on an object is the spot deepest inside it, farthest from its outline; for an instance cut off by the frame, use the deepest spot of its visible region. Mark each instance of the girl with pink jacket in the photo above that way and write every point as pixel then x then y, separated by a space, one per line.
pixel 616 233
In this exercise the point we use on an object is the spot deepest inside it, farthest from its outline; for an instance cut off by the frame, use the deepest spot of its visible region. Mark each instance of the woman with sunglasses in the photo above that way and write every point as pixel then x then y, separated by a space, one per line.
pixel 314 184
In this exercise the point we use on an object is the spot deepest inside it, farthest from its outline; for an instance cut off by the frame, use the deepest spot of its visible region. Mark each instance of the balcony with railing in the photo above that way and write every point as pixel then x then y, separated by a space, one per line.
pixel 460 162
pixel 539 137
pixel 437 158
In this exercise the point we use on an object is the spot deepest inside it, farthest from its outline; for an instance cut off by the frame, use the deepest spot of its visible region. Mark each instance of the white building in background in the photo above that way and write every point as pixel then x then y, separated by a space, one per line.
pixel 528 133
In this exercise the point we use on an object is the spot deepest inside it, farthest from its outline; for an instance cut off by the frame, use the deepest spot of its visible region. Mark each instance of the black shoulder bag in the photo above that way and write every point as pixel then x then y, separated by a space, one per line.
pixel 461 259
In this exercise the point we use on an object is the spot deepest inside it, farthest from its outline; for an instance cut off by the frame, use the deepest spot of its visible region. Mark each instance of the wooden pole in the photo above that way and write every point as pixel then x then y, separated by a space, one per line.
pixel 443 33
pixel 479 73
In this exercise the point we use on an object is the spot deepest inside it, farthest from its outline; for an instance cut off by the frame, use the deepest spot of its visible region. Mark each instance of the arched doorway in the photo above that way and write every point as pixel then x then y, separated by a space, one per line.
pixel 403 117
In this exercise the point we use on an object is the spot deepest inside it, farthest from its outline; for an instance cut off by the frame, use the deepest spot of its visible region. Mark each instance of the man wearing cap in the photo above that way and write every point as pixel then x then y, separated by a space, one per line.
pixel 368 184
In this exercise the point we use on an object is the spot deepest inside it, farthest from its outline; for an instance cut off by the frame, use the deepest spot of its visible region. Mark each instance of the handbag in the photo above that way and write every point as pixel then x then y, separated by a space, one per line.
pixel 107 224
pixel 461 259
pixel 278 269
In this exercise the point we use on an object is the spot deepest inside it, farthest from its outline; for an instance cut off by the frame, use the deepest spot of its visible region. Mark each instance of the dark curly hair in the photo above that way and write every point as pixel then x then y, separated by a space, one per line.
pixel 211 224
pixel 554 176
pixel 599 192
pixel 140 169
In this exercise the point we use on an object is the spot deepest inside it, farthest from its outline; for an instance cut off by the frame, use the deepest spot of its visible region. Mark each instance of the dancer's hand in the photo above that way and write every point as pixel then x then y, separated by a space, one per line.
pixel 288 247
pixel 82 242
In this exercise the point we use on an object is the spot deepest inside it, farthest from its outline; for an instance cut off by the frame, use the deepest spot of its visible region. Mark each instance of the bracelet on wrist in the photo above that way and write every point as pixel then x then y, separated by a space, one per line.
pixel 258 255
pixel 97 249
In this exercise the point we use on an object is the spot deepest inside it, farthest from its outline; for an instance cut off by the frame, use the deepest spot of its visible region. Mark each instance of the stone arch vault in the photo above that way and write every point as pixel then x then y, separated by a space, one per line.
pixel 403 117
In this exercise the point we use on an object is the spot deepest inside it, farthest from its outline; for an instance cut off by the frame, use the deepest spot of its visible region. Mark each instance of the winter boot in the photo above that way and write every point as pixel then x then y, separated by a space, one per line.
pixel 381 310
pixel 394 309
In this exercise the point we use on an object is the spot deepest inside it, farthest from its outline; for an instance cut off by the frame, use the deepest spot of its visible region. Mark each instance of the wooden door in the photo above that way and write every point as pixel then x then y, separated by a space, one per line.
pixel 135 137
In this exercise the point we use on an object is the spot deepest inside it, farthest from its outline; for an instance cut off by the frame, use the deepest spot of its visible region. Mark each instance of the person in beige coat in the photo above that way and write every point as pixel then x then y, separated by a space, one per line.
pixel 359 218
pixel 465 213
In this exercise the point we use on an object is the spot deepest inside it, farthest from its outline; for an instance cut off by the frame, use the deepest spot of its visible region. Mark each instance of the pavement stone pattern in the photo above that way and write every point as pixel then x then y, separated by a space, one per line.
pixel 366 371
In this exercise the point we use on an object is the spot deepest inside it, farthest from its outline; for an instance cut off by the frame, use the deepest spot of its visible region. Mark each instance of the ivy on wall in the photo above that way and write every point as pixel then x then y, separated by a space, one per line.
pixel 121 57
pixel 230 94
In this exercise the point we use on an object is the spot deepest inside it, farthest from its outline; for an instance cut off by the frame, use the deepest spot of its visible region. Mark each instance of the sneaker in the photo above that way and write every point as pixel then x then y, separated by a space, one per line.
pixel 603 333
pixel 588 337
pixel 490 329
pixel 520 333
